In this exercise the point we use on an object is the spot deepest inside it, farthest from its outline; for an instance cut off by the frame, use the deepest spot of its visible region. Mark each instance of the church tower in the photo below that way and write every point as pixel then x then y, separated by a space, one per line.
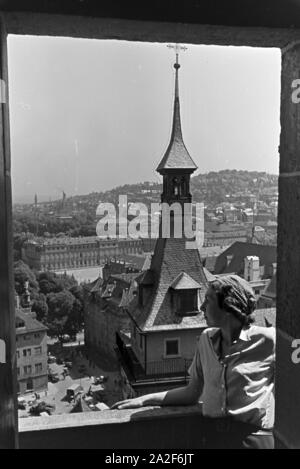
pixel 172 289
pixel 176 165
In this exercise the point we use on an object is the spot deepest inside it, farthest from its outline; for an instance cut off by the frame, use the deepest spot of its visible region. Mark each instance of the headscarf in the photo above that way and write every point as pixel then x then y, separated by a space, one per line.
pixel 235 296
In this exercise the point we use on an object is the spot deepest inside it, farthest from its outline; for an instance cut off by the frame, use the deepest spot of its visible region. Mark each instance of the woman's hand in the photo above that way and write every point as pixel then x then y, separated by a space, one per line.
pixel 129 403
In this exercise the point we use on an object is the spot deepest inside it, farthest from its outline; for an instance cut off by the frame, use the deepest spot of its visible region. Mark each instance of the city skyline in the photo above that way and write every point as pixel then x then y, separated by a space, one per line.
pixel 107 122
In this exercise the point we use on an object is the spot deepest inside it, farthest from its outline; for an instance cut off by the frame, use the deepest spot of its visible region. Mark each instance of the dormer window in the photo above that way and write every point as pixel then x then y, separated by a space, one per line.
pixel 187 301
pixel 184 291
pixel 20 323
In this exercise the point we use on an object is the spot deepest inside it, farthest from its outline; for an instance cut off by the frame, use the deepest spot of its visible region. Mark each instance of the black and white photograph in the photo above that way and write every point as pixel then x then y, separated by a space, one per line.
pixel 150 227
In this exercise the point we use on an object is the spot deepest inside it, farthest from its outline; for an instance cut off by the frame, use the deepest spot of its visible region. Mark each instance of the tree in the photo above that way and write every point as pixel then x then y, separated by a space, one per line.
pixel 22 273
pixel 19 239
pixel 60 308
pixel 49 283
pixel 40 307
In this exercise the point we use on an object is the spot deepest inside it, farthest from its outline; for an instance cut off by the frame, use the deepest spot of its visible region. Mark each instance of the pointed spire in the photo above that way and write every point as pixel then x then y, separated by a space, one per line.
pixel 176 156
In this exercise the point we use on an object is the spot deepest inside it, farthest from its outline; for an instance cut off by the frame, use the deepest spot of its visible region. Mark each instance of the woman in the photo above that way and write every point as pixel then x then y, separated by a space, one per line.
pixel 232 371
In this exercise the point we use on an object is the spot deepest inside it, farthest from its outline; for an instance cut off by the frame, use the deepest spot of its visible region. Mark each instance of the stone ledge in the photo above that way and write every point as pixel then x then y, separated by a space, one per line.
pixel 105 417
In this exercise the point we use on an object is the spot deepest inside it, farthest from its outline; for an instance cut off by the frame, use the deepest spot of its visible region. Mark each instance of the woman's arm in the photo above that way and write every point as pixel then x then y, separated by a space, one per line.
pixel 187 395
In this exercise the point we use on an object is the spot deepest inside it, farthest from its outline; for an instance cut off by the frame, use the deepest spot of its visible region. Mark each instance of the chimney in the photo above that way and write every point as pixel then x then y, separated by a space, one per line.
pixel 251 268
pixel 229 258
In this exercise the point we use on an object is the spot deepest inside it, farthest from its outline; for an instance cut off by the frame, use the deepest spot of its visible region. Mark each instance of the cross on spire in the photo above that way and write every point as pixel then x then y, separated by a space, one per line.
pixel 176 156
pixel 177 48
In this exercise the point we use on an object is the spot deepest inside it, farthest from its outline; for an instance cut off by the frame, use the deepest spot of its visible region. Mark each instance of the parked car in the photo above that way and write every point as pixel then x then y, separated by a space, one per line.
pixel 99 379
pixel 73 391
pixel 66 338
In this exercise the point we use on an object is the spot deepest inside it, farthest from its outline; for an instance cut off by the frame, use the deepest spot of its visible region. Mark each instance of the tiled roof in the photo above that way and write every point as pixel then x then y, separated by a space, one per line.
pixel 140 262
pixel 184 282
pixel 145 278
pixel 170 259
pixel 187 322
pixel 108 290
pixel 238 251
pixel 31 324
pixel 125 277
pixel 128 295
pixel 117 290
pixel 94 286
pixel 212 227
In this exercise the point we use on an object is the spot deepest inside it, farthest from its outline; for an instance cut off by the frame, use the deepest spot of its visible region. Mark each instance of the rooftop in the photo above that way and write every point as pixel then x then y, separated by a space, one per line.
pixel 176 155
pixel 239 250
pixel 31 324
pixel 170 259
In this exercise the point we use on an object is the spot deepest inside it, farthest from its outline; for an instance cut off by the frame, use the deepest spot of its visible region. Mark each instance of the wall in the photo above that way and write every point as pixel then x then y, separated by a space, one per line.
pixel 288 256
pixel 40 379
pixel 101 326
pixel 181 428
pixel 155 343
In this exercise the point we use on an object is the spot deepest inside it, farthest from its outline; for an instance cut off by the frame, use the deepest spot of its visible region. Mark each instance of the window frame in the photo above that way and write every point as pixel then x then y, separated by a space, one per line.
pixel 117 25
pixel 173 339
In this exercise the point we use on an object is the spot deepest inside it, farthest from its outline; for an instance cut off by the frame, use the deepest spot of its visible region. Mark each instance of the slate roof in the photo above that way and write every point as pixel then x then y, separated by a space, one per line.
pixel 176 155
pixel 94 286
pixel 170 259
pixel 184 282
pixel 239 250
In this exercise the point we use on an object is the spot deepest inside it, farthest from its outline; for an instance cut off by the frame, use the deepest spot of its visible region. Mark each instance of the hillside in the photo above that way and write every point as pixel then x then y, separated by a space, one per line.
pixel 211 188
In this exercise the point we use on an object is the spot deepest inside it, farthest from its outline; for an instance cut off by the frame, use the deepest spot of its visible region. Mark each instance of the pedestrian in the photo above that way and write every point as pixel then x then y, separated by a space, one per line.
pixel 232 370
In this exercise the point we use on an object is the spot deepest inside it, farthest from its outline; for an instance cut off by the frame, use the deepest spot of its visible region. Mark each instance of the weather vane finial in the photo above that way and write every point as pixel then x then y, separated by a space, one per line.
pixel 177 48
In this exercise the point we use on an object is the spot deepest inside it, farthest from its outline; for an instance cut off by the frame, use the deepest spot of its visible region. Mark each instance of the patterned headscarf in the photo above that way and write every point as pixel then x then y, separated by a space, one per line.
pixel 235 296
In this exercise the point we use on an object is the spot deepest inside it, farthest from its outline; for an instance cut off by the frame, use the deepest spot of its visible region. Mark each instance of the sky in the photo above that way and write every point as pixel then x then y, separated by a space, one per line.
pixel 90 115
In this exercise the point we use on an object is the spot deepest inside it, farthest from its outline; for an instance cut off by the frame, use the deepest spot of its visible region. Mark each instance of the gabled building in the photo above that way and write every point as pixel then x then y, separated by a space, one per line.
pixel 31 338
pixel 104 303
pixel 127 264
pixel 232 260
pixel 165 315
